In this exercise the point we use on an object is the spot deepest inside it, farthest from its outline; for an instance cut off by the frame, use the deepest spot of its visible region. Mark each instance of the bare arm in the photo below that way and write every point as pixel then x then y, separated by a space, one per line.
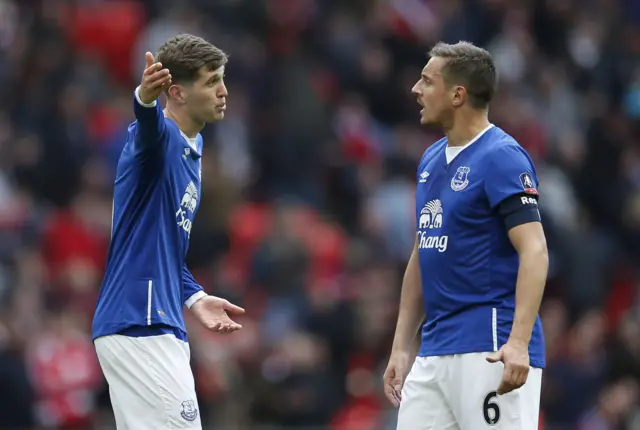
pixel 530 243
pixel 411 312
pixel 405 344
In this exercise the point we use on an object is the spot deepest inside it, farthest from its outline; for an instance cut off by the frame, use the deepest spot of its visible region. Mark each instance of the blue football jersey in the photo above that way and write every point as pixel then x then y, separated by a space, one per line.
pixel 467 262
pixel 156 196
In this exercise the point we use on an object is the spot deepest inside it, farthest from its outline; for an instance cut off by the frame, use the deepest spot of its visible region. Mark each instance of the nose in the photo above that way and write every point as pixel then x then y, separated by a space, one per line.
pixel 223 91
pixel 416 89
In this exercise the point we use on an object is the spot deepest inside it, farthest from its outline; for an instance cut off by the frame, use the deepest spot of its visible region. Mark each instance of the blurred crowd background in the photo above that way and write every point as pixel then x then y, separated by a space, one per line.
pixel 307 214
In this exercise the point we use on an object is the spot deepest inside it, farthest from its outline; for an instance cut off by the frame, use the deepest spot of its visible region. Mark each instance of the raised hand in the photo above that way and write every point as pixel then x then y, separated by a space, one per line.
pixel 155 80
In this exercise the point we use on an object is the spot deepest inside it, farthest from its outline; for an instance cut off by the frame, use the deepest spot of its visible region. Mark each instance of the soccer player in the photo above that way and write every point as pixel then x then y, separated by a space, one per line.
pixel 138 328
pixel 478 267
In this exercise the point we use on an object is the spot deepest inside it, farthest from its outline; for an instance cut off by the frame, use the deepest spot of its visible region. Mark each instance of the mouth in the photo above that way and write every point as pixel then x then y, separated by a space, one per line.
pixel 221 107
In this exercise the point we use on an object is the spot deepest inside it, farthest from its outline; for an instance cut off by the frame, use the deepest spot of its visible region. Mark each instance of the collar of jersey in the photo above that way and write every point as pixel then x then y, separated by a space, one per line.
pixel 192 145
pixel 475 139
pixel 460 149
pixel 194 148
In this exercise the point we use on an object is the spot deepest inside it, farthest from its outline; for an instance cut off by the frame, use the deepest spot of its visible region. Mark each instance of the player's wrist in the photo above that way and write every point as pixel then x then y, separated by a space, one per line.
pixel 518 341
pixel 520 335
pixel 195 298
pixel 140 100
pixel 401 348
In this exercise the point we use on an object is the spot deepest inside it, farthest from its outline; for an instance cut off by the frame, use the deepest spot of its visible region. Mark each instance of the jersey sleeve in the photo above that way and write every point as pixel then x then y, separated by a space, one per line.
pixel 421 174
pixel 192 290
pixel 510 172
pixel 150 132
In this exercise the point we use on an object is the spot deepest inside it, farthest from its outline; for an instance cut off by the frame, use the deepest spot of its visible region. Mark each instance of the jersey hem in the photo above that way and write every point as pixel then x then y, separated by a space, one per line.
pixel 534 362
pixel 109 329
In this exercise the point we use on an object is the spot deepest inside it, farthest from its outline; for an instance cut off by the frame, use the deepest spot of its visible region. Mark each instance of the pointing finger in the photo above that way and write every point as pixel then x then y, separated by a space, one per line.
pixel 149 59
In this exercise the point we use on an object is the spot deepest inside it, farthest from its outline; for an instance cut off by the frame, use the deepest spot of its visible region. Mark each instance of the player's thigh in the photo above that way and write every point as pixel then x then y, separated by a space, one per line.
pixel 423 406
pixel 121 422
pixel 476 405
pixel 150 381
pixel 132 389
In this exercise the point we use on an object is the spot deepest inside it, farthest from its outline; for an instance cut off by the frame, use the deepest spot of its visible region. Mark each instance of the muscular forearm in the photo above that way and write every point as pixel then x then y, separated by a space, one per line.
pixel 411 312
pixel 532 276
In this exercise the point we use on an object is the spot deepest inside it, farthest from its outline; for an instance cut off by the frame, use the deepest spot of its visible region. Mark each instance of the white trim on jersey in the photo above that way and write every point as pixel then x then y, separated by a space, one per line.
pixel 147 105
pixel 149 296
pixel 192 141
pixel 494 328
pixel 452 152
pixel 194 298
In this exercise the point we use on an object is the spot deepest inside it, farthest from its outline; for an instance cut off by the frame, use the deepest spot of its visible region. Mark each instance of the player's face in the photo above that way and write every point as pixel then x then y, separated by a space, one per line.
pixel 431 93
pixel 207 97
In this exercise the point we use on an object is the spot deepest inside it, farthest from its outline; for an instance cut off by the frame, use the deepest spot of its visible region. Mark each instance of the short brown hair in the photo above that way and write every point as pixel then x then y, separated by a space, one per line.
pixel 184 55
pixel 471 67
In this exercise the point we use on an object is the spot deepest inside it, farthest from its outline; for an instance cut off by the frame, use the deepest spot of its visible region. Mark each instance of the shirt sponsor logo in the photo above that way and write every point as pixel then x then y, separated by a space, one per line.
pixel 431 219
pixel 188 206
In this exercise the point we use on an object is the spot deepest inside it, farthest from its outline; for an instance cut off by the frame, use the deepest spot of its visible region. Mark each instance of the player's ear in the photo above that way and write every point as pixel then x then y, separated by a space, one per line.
pixel 459 96
pixel 176 93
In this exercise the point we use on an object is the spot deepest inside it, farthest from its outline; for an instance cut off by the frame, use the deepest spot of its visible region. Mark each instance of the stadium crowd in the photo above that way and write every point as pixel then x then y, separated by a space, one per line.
pixel 307 215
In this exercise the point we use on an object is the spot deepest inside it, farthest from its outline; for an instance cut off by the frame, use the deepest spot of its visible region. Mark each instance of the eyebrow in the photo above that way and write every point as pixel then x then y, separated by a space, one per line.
pixel 425 77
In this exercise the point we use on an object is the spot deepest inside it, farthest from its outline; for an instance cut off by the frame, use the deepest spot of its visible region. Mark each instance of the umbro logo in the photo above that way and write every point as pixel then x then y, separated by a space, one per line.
pixel 187 153
pixel 423 177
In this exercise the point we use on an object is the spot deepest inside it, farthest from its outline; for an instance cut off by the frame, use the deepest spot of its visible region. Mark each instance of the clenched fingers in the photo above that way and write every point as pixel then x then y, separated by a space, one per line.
pixel 513 378
pixel 151 69
pixel 157 79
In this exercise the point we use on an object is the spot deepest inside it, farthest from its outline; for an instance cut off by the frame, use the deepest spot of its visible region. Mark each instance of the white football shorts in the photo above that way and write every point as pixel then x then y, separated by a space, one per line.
pixel 458 392
pixel 150 382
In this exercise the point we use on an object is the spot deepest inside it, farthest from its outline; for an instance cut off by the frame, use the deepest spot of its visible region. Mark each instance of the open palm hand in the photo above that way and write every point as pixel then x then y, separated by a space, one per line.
pixel 214 313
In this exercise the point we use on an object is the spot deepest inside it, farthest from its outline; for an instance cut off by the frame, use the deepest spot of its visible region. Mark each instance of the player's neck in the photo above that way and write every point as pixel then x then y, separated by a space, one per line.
pixel 185 123
pixel 465 127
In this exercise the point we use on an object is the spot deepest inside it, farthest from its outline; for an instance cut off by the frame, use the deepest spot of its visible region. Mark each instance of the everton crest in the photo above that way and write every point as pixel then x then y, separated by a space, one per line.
pixel 461 179
pixel 189 410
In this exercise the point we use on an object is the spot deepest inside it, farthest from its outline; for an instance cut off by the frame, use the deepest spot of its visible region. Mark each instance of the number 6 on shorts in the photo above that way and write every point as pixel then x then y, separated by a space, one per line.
pixel 490 409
